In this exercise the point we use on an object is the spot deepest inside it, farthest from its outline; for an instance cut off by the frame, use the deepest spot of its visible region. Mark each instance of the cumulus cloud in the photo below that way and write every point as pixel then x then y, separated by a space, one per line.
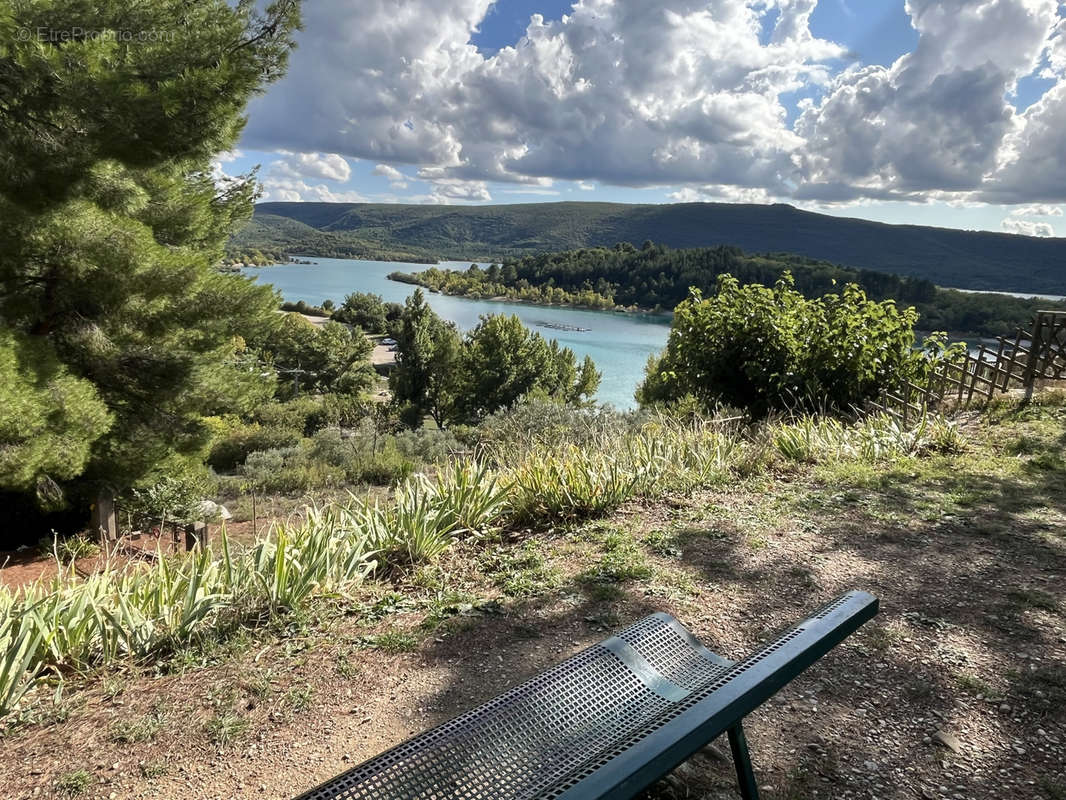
pixel 684 93
pixel 1027 227
pixel 623 91
pixel 293 191
pixel 935 119
pixel 720 194
pixel 448 190
pixel 329 166
pixel 397 180
pixel 1037 211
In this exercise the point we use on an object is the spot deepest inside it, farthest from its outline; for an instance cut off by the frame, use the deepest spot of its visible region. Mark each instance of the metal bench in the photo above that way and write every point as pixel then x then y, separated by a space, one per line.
pixel 606 723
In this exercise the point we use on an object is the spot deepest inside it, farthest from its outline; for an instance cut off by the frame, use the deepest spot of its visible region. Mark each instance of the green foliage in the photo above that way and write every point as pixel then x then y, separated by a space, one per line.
pixel 523 571
pixel 426 377
pixel 172 497
pixel 364 310
pixel 74 784
pixel 504 362
pixel 496 365
pixel 764 349
pixel 113 225
pixel 332 358
pixel 656 277
pixel 572 484
pixel 236 442
pixel 51 418
pixel 130 612
pixel 622 561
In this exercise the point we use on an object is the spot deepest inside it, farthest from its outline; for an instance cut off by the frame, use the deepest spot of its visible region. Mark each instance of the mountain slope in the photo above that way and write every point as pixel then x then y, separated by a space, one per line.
pixel 964 259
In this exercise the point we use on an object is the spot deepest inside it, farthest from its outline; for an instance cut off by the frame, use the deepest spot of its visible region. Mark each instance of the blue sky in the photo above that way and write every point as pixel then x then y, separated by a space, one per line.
pixel 942 112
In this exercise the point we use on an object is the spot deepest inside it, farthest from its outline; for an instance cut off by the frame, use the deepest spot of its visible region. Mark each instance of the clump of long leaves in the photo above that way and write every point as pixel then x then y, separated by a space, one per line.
pixel 572 484
pixel 876 438
pixel 425 516
pixel 73 623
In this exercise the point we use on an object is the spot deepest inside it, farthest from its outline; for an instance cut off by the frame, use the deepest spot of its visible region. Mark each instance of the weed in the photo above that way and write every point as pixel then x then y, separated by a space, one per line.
pixel 225 728
pixel 622 561
pixel 143 729
pixel 299 698
pixel 663 544
pixel 152 769
pixel 346 666
pixel 113 686
pixel 522 571
pixel 393 642
pixel 1033 598
pixel 75 783
pixel 971 684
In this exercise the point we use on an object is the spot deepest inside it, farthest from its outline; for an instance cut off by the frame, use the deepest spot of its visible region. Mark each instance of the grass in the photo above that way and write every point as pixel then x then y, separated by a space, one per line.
pixel 188 611
pixel 143 729
pixel 225 727
pixel 521 572
pixel 974 685
pixel 393 642
pixel 621 561
pixel 74 784
pixel 1034 598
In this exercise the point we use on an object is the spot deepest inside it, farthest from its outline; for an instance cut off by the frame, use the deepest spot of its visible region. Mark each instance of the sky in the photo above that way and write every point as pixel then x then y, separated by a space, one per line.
pixel 932 112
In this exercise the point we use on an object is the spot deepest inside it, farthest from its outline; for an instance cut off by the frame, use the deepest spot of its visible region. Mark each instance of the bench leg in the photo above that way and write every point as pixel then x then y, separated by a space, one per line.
pixel 742 761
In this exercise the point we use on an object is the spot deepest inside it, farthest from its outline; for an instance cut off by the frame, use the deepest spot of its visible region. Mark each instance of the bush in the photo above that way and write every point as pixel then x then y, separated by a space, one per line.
pixel 539 423
pixel 428 445
pixel 234 446
pixel 766 349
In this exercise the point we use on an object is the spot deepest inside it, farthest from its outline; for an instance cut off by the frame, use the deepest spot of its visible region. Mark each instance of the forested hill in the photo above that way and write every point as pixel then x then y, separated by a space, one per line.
pixel 659 277
pixel 964 259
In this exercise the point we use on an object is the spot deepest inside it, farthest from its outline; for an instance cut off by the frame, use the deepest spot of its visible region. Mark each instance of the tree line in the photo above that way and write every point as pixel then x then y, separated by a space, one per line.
pixel 656 278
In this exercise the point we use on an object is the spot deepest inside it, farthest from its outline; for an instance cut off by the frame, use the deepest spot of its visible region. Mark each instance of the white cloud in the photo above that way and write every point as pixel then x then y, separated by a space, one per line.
pixel 680 93
pixel 533 190
pixel 720 194
pixel 397 180
pixel 934 120
pixel 290 190
pixel 328 166
pixel 447 190
pixel 1037 211
pixel 1027 227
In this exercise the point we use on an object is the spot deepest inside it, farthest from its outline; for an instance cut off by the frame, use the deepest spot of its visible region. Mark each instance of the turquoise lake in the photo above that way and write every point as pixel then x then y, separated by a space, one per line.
pixel 619 343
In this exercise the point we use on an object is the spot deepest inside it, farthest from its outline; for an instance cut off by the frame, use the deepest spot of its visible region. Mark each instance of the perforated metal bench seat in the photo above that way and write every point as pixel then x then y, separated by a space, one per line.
pixel 607 722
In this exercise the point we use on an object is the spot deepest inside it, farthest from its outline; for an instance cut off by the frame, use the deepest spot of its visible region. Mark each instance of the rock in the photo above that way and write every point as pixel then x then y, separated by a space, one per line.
pixel 948 740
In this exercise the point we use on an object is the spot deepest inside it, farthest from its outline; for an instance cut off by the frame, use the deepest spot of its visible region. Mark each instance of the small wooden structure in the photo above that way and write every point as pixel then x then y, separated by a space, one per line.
pixel 1018 362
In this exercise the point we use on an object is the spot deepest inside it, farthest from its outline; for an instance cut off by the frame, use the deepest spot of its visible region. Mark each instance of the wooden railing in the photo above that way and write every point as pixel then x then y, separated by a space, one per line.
pixel 1018 362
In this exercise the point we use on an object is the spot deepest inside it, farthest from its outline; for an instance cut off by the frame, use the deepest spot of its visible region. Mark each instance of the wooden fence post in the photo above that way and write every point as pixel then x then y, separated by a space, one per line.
pixel 104 519
pixel 1035 346
pixel 195 535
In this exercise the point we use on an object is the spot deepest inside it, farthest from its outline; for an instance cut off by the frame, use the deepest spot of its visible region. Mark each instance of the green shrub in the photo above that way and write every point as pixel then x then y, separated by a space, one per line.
pixel 540 423
pixel 363 455
pixel 233 447
pixel 382 469
pixel 765 349
pixel 428 445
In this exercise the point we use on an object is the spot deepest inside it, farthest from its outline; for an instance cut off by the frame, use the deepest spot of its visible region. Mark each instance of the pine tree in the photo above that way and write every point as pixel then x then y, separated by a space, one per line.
pixel 114 222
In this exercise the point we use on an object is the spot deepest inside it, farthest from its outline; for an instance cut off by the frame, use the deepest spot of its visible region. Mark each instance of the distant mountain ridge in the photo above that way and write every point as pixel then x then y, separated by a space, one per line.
pixel 956 258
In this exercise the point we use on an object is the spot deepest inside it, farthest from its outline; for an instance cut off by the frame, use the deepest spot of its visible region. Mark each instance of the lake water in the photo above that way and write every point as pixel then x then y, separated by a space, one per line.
pixel 619 343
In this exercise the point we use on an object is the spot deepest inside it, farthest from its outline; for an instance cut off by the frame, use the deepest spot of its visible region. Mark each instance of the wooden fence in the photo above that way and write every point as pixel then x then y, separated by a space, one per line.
pixel 1018 362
